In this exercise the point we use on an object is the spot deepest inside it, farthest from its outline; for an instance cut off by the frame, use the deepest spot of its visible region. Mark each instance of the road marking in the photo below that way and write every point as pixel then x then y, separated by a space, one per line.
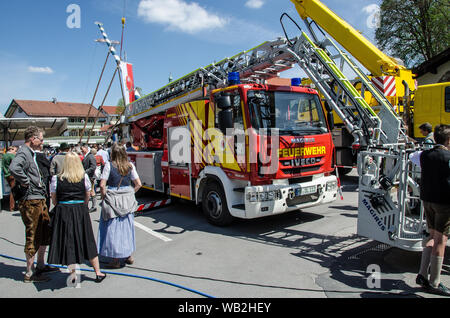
pixel 149 231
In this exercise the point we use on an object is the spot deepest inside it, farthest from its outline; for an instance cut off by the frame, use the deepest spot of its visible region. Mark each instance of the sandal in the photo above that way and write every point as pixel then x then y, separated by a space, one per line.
pixel 99 279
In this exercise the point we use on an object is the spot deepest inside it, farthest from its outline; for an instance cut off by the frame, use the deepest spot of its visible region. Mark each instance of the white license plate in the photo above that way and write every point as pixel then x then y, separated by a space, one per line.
pixel 305 190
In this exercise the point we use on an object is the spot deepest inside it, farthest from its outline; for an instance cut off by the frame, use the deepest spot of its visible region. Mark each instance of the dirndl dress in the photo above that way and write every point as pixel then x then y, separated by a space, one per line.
pixel 116 236
pixel 73 240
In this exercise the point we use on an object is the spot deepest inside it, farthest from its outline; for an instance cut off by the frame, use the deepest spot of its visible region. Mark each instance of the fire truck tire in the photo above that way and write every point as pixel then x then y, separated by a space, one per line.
pixel 214 205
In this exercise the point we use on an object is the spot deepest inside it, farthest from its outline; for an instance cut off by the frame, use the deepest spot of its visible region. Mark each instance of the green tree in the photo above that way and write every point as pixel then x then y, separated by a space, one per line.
pixel 120 106
pixel 414 30
pixel 120 102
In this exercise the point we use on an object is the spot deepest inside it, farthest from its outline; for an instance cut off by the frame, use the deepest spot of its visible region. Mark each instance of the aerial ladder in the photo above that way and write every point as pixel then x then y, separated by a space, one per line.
pixel 380 65
pixel 256 65
pixel 402 216
pixel 389 208
pixel 416 104
pixel 387 74
pixel 376 62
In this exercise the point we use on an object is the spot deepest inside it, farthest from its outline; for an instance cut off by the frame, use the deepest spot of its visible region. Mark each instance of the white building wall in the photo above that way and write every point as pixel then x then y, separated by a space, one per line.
pixel 430 78
pixel 19 113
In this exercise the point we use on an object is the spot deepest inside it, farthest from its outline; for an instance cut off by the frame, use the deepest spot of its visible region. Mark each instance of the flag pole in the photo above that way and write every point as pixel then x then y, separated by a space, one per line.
pixel 103 102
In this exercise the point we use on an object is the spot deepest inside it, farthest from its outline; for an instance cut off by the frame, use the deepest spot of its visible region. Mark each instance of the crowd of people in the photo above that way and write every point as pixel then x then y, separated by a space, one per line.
pixel 65 182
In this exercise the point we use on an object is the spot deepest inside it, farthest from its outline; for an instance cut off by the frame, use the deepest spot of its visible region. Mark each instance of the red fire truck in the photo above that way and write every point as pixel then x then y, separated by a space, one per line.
pixel 238 147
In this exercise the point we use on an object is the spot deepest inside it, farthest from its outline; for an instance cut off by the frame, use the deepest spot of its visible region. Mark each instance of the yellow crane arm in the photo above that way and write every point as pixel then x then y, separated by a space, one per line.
pixel 362 49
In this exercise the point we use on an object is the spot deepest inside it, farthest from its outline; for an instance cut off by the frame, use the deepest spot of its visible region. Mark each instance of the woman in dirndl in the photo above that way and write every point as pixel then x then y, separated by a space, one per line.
pixel 116 237
pixel 73 239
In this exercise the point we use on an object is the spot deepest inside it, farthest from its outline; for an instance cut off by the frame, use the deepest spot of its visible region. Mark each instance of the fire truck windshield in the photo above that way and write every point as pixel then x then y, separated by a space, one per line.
pixel 291 112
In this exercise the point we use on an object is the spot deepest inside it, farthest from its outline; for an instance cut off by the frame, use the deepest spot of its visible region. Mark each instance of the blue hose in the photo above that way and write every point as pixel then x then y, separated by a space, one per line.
pixel 123 274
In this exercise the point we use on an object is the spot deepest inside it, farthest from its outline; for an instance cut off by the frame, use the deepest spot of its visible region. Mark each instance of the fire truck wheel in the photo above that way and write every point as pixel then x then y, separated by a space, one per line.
pixel 214 205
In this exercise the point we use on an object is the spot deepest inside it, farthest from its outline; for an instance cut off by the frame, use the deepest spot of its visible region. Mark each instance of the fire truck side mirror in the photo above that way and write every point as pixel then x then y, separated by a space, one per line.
pixel 330 116
pixel 330 119
pixel 225 114
pixel 225 119
pixel 223 102
pixel 327 106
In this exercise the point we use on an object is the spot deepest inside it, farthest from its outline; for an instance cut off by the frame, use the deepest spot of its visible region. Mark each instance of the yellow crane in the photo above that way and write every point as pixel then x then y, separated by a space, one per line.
pixel 361 48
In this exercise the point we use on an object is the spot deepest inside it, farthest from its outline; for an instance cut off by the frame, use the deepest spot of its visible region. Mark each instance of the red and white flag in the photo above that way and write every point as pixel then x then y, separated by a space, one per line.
pixel 127 82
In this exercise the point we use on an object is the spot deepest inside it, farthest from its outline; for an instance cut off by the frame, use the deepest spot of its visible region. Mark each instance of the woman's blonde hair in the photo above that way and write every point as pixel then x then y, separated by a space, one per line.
pixel 72 169
pixel 119 158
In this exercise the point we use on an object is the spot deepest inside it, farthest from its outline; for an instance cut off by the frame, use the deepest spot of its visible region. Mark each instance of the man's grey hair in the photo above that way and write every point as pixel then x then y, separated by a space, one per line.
pixel 32 131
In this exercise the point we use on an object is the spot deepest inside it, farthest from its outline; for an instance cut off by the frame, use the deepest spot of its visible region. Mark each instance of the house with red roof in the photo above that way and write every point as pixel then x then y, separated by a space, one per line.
pixel 112 114
pixel 76 113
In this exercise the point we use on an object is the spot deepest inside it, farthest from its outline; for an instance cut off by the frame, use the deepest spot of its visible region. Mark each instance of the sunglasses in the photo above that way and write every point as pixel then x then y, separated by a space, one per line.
pixel 41 139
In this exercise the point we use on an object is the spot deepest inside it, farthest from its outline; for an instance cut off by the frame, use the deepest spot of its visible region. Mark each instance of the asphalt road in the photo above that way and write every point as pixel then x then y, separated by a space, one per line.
pixel 303 254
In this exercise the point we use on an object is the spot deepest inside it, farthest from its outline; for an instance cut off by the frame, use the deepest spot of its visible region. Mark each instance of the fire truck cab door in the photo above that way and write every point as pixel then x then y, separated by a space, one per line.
pixel 180 161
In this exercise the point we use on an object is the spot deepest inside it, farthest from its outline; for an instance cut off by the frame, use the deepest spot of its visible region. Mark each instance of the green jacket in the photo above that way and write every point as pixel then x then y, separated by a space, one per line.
pixel 7 158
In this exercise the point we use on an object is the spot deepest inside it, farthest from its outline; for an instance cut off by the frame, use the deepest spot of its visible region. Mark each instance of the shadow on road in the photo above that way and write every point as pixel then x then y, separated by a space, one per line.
pixel 346 257
pixel 57 279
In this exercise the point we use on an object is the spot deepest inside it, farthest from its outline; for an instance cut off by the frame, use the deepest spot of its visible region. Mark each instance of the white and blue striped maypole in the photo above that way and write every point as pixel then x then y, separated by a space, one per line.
pixel 108 42
pixel 112 50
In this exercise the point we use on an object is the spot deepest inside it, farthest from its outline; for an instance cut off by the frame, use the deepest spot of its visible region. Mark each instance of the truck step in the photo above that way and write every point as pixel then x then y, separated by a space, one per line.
pixel 239 206
pixel 239 189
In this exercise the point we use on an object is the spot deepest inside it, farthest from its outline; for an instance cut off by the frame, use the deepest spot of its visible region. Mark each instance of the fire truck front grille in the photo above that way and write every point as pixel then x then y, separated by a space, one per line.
pixel 300 180
pixel 300 170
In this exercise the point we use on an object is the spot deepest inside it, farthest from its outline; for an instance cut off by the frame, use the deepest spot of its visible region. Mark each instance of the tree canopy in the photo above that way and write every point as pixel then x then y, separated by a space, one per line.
pixel 414 30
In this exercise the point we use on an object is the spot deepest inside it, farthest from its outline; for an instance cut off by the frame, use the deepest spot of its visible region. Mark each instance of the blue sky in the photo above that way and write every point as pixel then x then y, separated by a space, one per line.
pixel 41 57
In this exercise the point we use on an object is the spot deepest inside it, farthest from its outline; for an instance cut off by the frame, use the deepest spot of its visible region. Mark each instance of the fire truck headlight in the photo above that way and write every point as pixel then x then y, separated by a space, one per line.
pixel 274 195
pixel 262 196
pixel 253 196
pixel 331 186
